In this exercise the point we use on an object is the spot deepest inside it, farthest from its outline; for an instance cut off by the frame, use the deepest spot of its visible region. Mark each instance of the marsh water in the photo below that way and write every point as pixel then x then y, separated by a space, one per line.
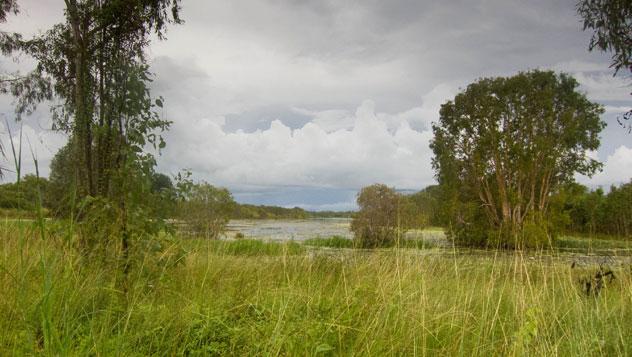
pixel 295 229
pixel 301 229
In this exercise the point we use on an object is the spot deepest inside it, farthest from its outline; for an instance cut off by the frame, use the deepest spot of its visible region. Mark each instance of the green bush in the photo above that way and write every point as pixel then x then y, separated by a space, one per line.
pixel 378 222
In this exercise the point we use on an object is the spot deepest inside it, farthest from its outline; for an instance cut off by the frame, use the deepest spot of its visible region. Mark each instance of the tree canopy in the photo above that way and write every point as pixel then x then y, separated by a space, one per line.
pixel 504 145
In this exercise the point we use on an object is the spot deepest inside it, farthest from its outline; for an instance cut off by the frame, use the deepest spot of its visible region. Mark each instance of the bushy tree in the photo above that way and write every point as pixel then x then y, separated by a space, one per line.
pixel 23 195
pixel 378 222
pixel 206 209
pixel 503 146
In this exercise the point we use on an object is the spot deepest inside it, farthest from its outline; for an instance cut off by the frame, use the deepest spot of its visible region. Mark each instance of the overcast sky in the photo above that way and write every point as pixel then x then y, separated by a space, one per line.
pixel 302 102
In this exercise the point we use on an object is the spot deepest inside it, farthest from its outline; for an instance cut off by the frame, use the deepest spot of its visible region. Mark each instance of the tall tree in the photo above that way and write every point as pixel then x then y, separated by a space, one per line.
pixel 611 23
pixel 504 145
pixel 95 63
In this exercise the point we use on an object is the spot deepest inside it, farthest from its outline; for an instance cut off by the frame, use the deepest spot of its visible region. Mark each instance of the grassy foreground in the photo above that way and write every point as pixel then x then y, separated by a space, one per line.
pixel 289 300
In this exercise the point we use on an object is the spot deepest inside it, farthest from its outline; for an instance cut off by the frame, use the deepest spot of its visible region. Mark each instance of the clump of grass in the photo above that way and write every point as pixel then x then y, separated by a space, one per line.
pixel 331 242
pixel 251 247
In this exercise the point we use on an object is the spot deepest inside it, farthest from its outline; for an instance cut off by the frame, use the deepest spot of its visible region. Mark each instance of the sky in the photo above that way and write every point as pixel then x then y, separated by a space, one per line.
pixel 303 102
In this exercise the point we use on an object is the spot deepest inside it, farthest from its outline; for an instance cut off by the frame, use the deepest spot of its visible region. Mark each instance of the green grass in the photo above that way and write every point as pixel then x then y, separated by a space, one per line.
pixel 331 242
pixel 342 242
pixel 588 244
pixel 249 247
pixel 265 298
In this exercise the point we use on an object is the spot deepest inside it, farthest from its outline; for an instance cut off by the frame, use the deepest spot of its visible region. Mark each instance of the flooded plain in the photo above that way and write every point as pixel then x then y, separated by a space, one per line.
pixel 302 229
pixel 294 229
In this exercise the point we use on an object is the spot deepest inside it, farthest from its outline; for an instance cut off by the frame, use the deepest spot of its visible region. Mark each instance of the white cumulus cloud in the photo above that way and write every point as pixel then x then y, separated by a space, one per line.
pixel 617 169
pixel 370 147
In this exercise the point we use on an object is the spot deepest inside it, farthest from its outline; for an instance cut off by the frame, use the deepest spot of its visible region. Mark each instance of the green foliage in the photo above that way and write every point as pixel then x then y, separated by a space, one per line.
pixel 429 207
pixel 23 195
pixel 206 209
pixel 62 191
pixel 94 63
pixel 595 212
pixel 611 23
pixel 503 146
pixel 379 220
pixel 131 234
pixel 163 196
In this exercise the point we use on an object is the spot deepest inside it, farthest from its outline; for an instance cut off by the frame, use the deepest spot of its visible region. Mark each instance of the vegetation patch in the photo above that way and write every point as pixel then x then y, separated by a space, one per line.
pixel 249 247
pixel 331 242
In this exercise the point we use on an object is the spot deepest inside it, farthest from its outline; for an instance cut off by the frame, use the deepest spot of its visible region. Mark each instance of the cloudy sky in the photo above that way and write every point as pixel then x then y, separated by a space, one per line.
pixel 301 103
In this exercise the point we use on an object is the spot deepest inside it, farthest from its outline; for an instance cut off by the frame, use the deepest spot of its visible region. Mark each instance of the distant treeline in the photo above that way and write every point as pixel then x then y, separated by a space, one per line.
pixel 574 208
pixel 249 211
pixel 21 200
pixel 593 212
pixel 331 214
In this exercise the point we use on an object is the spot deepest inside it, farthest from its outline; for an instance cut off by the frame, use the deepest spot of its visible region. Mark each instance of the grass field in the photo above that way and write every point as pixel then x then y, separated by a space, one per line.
pixel 265 298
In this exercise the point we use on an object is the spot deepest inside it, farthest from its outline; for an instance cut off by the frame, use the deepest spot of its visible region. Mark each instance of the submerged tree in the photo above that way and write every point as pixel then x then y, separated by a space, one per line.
pixel 503 146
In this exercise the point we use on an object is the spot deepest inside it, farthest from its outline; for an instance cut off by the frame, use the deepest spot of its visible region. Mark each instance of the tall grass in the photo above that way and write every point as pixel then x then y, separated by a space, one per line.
pixel 279 301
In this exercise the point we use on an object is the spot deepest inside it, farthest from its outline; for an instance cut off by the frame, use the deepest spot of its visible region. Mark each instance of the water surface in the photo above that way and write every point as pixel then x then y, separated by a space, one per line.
pixel 295 229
